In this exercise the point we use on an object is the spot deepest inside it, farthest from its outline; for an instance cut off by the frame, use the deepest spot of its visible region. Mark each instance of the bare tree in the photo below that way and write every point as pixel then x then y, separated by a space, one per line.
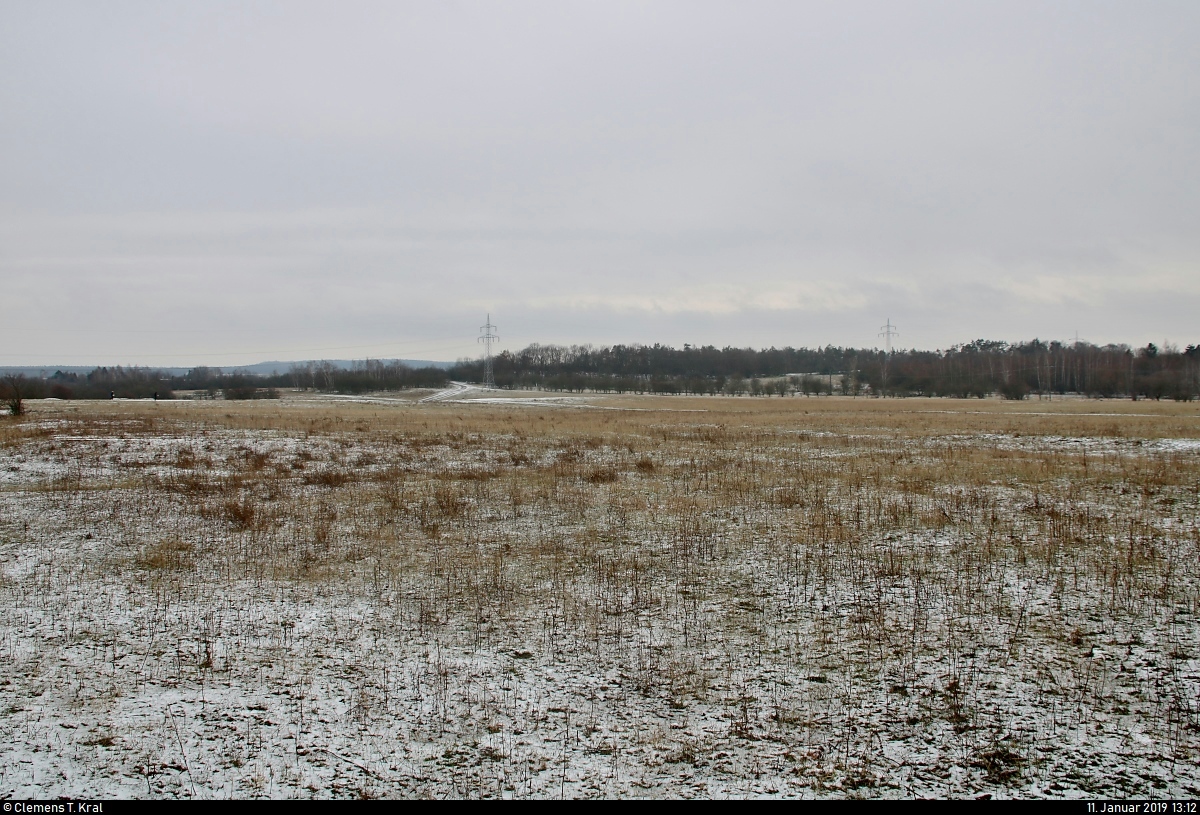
pixel 12 394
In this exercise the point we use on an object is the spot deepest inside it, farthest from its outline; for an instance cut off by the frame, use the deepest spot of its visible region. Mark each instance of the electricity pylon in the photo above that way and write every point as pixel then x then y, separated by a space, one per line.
pixel 487 337
pixel 887 332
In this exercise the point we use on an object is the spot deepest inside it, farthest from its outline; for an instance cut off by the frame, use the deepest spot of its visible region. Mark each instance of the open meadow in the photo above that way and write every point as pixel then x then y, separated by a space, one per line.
pixel 600 596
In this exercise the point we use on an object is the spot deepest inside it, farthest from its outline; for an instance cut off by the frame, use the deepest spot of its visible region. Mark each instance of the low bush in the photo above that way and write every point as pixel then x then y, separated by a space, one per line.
pixel 12 391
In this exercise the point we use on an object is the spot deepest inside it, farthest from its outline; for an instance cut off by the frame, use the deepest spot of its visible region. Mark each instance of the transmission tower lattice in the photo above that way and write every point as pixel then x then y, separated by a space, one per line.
pixel 887 332
pixel 487 336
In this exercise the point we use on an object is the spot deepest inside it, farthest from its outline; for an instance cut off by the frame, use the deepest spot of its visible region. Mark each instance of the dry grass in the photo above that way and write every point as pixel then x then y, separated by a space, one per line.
pixel 663 596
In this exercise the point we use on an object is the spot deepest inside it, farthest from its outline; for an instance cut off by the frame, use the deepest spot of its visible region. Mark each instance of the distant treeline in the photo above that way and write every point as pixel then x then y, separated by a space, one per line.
pixel 101 383
pixel 145 383
pixel 975 369
pixel 362 377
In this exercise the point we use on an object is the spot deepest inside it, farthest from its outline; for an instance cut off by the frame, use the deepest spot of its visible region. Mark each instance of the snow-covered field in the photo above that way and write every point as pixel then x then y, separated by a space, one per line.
pixel 721 597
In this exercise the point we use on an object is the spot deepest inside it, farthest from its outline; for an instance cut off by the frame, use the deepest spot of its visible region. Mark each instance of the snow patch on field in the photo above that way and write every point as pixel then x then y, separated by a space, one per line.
pixel 206 613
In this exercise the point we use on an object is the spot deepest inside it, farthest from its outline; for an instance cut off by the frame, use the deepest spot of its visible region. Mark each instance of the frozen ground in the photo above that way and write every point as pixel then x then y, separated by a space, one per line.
pixel 596 604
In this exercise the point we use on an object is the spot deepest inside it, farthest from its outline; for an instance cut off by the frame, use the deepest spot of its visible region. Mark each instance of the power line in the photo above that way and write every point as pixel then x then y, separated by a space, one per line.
pixel 487 337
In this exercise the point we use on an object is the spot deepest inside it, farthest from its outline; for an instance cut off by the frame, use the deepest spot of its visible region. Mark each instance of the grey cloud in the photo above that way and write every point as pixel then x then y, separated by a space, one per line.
pixel 785 173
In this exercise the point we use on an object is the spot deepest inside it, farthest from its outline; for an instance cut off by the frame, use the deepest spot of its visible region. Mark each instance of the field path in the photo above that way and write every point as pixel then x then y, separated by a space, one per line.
pixel 455 390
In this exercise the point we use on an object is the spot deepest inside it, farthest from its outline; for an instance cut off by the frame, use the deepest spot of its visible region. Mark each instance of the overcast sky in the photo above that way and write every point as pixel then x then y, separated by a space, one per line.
pixel 222 183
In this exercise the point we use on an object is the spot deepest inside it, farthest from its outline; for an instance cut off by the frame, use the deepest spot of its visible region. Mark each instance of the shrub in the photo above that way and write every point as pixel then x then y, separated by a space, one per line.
pixel 11 391
pixel 240 386
pixel 1014 389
